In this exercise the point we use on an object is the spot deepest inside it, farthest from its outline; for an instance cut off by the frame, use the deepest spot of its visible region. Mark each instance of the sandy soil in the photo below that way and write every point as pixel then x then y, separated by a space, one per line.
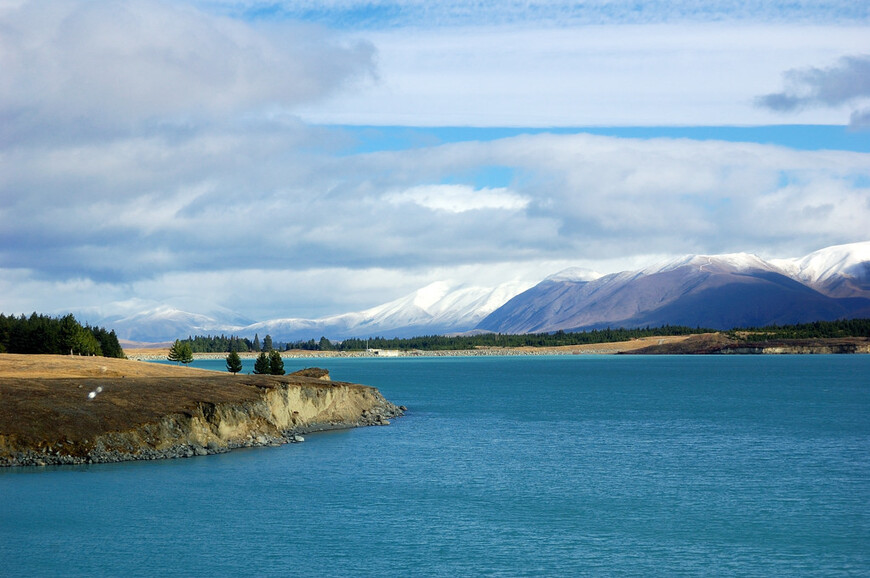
pixel 616 347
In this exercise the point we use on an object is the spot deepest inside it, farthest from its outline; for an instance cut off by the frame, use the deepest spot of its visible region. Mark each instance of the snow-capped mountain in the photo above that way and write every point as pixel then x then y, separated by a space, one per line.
pixel 441 307
pixel 716 291
pixel 839 271
pixel 162 323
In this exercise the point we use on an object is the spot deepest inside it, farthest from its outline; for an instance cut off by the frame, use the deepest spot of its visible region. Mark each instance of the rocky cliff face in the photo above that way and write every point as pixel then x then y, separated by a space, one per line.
pixel 51 423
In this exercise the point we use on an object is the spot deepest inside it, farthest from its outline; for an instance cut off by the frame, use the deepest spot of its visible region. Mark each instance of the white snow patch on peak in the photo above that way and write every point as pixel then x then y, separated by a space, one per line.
pixel 728 261
pixel 741 261
pixel 825 263
pixel 574 274
pixel 431 294
pixel 168 312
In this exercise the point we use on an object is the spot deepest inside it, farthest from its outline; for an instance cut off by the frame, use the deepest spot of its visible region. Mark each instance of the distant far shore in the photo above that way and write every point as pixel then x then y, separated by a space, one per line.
pixel 698 344
pixel 148 354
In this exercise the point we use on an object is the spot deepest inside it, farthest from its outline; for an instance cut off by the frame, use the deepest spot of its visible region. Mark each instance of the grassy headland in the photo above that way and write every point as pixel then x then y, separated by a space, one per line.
pixel 71 409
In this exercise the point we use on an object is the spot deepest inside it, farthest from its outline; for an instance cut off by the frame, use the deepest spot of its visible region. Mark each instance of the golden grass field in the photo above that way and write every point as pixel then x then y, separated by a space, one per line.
pixel 48 397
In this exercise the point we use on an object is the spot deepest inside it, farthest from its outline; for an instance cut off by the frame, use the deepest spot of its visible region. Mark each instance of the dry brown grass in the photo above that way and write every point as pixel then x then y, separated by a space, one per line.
pixel 45 398
pixel 54 366
pixel 616 347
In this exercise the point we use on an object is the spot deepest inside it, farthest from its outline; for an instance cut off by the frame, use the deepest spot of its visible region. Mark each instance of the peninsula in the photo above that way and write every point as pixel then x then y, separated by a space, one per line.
pixel 74 410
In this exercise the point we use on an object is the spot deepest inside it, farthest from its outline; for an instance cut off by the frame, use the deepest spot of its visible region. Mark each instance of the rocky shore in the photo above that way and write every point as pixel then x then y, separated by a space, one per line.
pixel 175 413
pixel 104 451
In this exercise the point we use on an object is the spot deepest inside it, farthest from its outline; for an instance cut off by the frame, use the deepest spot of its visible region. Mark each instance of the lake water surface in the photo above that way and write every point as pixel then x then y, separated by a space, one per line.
pixel 503 466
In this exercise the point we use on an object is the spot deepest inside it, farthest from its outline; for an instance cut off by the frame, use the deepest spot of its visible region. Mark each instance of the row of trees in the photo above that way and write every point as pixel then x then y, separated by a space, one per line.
pixel 56 335
pixel 271 364
pixel 223 343
pixel 818 329
pixel 180 352
pixel 265 364
pixel 444 342
pixel 815 330
pixel 218 343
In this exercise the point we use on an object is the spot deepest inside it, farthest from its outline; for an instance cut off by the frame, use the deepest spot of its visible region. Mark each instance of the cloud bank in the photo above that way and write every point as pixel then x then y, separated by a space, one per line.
pixel 847 82
pixel 163 153
pixel 675 73
pixel 293 221
pixel 80 69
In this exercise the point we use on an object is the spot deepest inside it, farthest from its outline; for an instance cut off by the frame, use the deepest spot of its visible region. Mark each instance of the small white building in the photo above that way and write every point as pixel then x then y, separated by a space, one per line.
pixel 384 352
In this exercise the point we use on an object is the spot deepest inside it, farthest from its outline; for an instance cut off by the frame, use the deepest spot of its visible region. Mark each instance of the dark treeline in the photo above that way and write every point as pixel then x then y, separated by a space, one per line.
pixel 218 344
pixel 61 336
pixel 323 344
pixel 818 329
pixel 458 342
pixel 814 330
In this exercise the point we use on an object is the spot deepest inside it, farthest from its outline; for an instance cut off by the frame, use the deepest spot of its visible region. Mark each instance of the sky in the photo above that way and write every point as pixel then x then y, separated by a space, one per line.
pixel 305 158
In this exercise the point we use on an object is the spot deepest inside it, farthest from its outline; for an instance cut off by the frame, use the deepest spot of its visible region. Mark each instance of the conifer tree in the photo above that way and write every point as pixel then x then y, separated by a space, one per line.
pixel 276 364
pixel 180 353
pixel 175 352
pixel 261 366
pixel 267 343
pixel 256 342
pixel 69 333
pixel 234 363
pixel 186 354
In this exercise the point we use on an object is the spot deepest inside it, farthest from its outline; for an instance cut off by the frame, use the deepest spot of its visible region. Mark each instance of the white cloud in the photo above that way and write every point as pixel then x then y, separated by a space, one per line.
pixel 151 154
pixel 846 83
pixel 458 198
pixel 630 75
pixel 310 235
pixel 74 67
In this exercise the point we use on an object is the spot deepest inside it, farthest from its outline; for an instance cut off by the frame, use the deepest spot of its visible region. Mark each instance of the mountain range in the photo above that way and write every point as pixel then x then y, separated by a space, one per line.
pixel 714 291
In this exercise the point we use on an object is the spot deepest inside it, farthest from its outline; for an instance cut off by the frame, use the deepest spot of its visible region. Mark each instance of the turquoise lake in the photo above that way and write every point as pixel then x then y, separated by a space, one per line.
pixel 503 466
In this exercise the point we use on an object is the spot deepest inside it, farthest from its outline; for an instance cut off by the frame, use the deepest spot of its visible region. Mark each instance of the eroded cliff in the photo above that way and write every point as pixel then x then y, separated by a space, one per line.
pixel 131 414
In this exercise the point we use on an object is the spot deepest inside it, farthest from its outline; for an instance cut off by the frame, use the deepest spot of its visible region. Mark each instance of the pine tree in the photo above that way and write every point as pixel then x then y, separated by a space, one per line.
pixel 186 353
pixel 267 343
pixel 261 366
pixel 175 352
pixel 276 364
pixel 69 333
pixel 180 352
pixel 256 342
pixel 234 363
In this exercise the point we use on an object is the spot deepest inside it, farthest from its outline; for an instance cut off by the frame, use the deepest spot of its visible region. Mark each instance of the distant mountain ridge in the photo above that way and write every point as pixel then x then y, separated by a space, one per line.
pixel 439 308
pixel 839 271
pixel 718 291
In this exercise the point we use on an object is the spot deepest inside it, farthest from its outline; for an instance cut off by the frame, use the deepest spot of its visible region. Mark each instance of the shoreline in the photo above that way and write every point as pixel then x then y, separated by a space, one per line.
pixel 72 410
pixel 610 348
pixel 698 344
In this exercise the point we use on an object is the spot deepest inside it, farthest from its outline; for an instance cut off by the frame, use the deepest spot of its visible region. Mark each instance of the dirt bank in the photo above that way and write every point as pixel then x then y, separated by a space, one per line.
pixel 59 409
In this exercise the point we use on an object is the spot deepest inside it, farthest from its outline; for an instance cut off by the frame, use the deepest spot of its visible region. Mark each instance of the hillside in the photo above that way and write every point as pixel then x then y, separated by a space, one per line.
pixel 715 291
pixel 721 343
pixel 62 409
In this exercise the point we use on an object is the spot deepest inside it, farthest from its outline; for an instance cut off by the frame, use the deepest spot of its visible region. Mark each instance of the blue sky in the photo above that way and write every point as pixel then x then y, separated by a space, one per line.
pixel 305 158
